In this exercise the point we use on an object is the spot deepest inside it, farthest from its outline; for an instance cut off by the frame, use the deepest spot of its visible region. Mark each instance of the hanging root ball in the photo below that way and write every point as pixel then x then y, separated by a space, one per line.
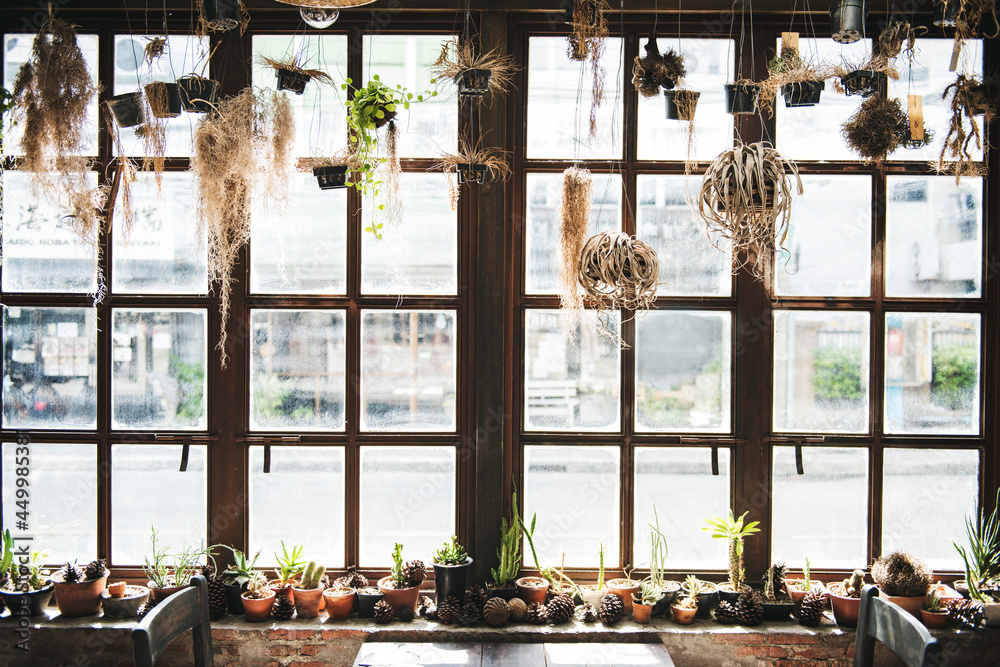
pixel 618 268
pixel 877 128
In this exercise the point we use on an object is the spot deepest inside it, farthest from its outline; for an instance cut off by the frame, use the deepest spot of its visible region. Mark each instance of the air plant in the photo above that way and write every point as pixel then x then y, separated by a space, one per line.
pixel 618 271
pixel 297 65
pixel 588 35
pixel 970 97
pixel 786 69
pixel 970 15
pixel 877 128
pixel 154 49
pixel 574 214
pixel 476 163
pixel 657 71
pixel 458 57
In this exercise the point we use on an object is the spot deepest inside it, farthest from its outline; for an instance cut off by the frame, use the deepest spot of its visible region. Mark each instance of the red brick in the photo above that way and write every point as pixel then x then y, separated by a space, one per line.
pixel 784 638
pixel 802 663
pixel 761 652
pixel 806 654
pixel 739 638
pixel 291 634
pixel 310 649
pixel 311 664
pixel 232 650
pixel 281 649
pixel 223 635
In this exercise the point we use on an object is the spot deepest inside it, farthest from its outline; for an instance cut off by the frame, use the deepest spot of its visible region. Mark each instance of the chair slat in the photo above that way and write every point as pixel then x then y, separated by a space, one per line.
pixel 182 611
pixel 895 627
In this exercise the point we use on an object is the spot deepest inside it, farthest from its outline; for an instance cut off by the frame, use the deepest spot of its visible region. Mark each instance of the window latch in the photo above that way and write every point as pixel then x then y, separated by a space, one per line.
pixel 185 452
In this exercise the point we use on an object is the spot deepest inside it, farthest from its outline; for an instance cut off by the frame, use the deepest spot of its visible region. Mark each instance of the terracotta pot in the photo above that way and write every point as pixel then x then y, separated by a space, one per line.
pixel 307 601
pixel 117 589
pixel 795 591
pixel 32 603
pixel 80 599
pixel 529 592
pixel 283 589
pixel 161 594
pixel 934 620
pixel 339 602
pixel 845 610
pixel 624 588
pixel 258 610
pixel 683 616
pixel 399 598
pixel 125 605
pixel 910 604
pixel 642 612
pixel 592 594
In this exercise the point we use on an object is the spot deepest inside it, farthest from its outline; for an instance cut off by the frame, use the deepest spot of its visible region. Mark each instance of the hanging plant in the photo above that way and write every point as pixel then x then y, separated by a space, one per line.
pixel 474 74
pixel 574 216
pixel 331 171
pixel 587 38
pixel 221 16
pixel 241 153
pixel 489 162
pixel 866 77
pixel 655 71
pixel 618 271
pixel 198 92
pixel 897 37
pixel 292 74
pixel 125 174
pixel 800 82
pixel 970 97
pixel 877 128
pixel 746 199
pixel 969 15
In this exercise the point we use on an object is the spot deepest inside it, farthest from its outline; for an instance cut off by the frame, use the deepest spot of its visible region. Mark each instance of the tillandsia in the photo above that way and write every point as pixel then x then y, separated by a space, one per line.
pixel 877 128
pixel 221 24
pixel 452 553
pixel 618 271
pixel 788 68
pixel 970 97
pixel 897 37
pixel 586 42
pixel 295 64
pixel 873 62
pixel 574 216
pixel 971 15
pixel 657 71
pixel 734 531
pixel 459 56
pixel 494 159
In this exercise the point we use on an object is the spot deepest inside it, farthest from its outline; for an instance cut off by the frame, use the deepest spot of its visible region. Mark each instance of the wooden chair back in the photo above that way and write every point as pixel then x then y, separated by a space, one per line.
pixel 881 620
pixel 182 611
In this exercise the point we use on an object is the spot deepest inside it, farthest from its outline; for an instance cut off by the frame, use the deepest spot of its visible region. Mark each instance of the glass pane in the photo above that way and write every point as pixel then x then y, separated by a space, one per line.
pixel 543 237
pixel 407 496
pixel 680 483
pixel 821 371
pixel 40 251
pixel 689 264
pixel 164 253
pixel 17 50
pixel 832 218
pixel 934 236
pixel 419 254
pixel 183 54
pixel 303 249
pixel 574 492
pixel 320 120
pixel 299 478
pixel 932 373
pixel 299 359
pixel 147 487
pixel 430 127
pixel 821 515
pixel 929 78
pixel 813 133
pixel 707 61
pixel 682 371
pixel 408 370
pixel 926 495
pixel 572 383
pixel 60 511
pixel 50 367
pixel 559 113
pixel 158 378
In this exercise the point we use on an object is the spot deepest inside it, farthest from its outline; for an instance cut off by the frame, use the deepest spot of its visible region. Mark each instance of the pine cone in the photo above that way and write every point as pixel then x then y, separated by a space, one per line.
pixel 353 579
pixel 426 607
pixel 383 612
pixel 749 609
pixel 218 602
pixel 145 608
pixel 612 609
pixel 966 614
pixel 478 595
pixel 518 610
pixel 560 609
pixel 587 613
pixel 71 574
pixel 449 609
pixel 470 615
pixel 536 614
pixel 414 572
pixel 405 614
pixel 283 608
pixel 813 604
pixel 496 612
pixel 95 570
pixel 725 613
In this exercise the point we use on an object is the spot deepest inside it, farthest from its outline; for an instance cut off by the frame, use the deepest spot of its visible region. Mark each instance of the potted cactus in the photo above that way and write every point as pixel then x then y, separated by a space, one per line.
pixel 777 604
pixel 451 569
pixel 706 593
pixel 401 589
pixel 509 555
pixel 258 598
pixel 593 594
pixel 685 609
pixel 934 613
pixel 236 578
pixel 846 599
pixel 290 566
pixel 308 594
pixel 78 590
pixel 903 579
pixel 734 531
pixel 24 592
pixel 643 600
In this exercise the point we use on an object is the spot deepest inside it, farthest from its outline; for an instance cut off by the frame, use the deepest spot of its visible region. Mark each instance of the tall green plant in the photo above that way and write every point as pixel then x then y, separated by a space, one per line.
pixel 658 558
pixel 982 558
pixel 289 564
pixel 509 553
pixel 734 530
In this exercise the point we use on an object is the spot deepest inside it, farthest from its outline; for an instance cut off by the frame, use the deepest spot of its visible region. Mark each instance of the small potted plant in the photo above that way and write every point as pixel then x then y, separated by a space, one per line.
pixel 451 569
pixel 308 593
pixel 681 103
pixel 236 578
pixel 331 172
pixel 800 82
pixel 401 589
pixel 777 604
pixel 78 590
pixel 340 602
pixel 509 557
pixel 685 609
pixel 368 597
pixel 126 603
pixel 734 531
pixel 473 165
pixel 741 97
pixel 624 587
pixel 706 593
pixel 866 77
pixel 657 564
pixel 845 596
pixel 171 572
pixel 593 594
pixel 258 598
pixel 982 560
pixel 290 566
pixel 475 74
pixel 198 92
pixel 903 579
pixel 292 74
pixel 534 589
pixel 934 613
pixel 163 99
pixel 797 589
pixel 643 600
pixel 25 591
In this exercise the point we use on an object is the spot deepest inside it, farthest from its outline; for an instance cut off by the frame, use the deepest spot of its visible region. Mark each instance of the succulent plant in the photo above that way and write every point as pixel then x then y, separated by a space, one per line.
pixel 311 575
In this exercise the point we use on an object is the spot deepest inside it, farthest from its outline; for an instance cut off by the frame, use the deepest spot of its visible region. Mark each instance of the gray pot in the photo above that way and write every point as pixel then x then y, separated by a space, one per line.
pixel 125 607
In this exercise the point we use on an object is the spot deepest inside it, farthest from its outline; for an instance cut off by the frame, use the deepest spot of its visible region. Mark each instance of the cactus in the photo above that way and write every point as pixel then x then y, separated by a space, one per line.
pixel 854 584
pixel 693 587
pixel 311 575
pixel 807 583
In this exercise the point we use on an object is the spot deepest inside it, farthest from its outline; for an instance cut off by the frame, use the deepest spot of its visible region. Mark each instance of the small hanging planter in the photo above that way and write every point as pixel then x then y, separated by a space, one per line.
pixel 330 172
pixel 292 75
pixel 292 80
pixel 946 13
pixel 471 173
pixel 221 15
pixel 657 71
pixel 681 104
pixel 197 93
pixel 847 20
pixel 473 82
pixel 474 73
pixel 865 83
pixel 802 93
pixel 127 109
pixel 475 165
pixel 331 178
pixel 164 99
pixel 741 98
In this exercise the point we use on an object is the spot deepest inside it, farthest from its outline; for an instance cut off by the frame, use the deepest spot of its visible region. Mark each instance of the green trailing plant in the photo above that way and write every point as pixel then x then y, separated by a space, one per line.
pixel 452 553
pixel 648 594
pixel 901 575
pixel 240 572
pixel 509 552
pixel 312 575
pixel 982 558
pixel 734 531
pixel 658 557
pixel 290 564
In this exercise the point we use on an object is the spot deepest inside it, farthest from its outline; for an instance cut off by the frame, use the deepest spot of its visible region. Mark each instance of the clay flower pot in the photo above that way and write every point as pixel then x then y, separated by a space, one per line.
pixel 399 598
pixel 125 605
pixel 283 589
pixel 642 612
pixel 307 601
pixel 682 615
pixel 80 599
pixel 845 609
pixel 34 602
pixel 258 610
pixel 795 590
pixel 910 604
pixel 934 620
pixel 117 589
pixel 160 594
pixel 532 589
pixel 624 588
pixel 339 603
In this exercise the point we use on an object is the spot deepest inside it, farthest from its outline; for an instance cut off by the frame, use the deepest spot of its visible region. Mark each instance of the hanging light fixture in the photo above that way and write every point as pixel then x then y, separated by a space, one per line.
pixel 322 13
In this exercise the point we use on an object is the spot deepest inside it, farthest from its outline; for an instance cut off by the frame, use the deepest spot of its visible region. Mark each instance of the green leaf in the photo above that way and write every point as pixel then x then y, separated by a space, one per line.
pixel 375 77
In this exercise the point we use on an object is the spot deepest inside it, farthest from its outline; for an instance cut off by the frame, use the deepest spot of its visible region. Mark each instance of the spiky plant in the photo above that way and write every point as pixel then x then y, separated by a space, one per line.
pixel 734 531
pixel 901 575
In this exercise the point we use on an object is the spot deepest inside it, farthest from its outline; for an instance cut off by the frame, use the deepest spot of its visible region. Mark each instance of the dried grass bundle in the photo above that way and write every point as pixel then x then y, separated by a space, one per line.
pixel 970 97
pixel 901 574
pixel 457 57
pixel 574 216
pixel 877 128
pixel 494 159
pixel 293 64
pixel 153 131
pixel 241 153
pixel 343 158
pixel 618 271
pixel 746 198
pixel 655 71
pixel 870 63
pixel 789 67
pixel 87 212
pixel 124 176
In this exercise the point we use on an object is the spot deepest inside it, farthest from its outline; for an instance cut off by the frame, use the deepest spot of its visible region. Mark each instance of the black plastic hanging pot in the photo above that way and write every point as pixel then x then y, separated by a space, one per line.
pixel 291 80
pixel 234 601
pixel 471 173
pixel 865 83
pixel 450 580
pixel 946 16
pixel 331 177
pixel 127 109
pixel 473 82
pixel 741 98
pixel 802 93
pixel 222 14
pixel 688 100
pixel 197 94
pixel 847 20
pixel 164 99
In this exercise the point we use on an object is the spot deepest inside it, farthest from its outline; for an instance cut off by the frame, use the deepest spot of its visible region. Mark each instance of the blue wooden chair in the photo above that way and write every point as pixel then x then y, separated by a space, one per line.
pixel 182 611
pixel 881 620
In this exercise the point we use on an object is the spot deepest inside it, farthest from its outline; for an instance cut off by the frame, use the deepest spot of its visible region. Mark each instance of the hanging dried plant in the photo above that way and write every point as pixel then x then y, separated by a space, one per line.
pixel 897 37
pixel 124 177
pixel 970 15
pixel 493 159
pixel 457 57
pixel 784 69
pixel 205 26
pixel 618 271
pixel 153 131
pixel 241 154
pixel 588 35
pixel 654 71
pixel 154 50
pixel 294 64
pixel 870 63
pixel 877 128
pixel 342 158
pixel 574 216
pixel 746 198
pixel 390 171
pixel 970 97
